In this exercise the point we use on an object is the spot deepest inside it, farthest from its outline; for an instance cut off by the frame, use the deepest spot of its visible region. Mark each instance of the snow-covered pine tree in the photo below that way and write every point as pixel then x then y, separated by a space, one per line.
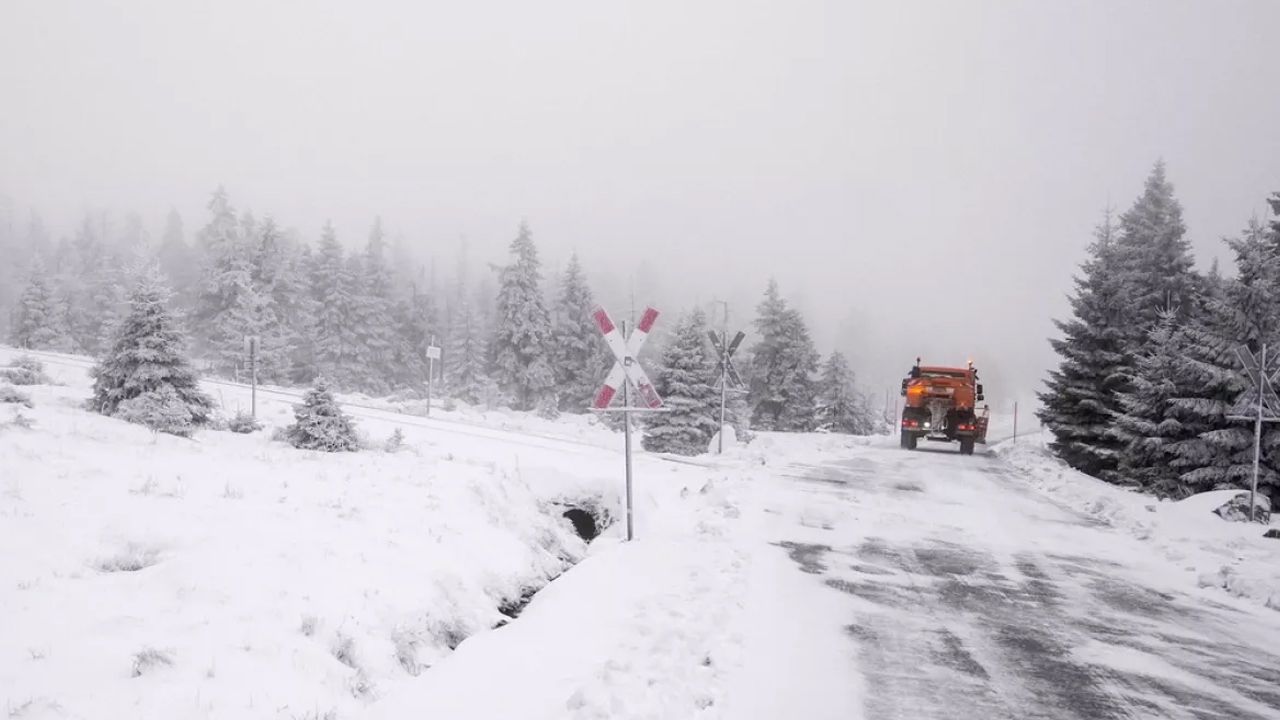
pixel 1079 403
pixel 177 258
pixel 783 365
pixel 841 408
pixel 226 280
pixel 522 329
pixel 416 322
pixel 579 356
pixel 321 424
pixel 1152 424
pixel 1247 313
pixel 275 292
pixel 1155 261
pixel 374 322
pixel 333 288
pixel 1273 232
pixel 89 278
pixel 465 355
pixel 40 322
pixel 148 355
pixel 684 381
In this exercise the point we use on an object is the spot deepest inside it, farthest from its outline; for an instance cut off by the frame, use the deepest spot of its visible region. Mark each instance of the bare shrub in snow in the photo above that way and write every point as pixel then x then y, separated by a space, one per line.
pixel 243 423
pixel 395 443
pixel 161 410
pixel 20 421
pixel 25 370
pixel 406 643
pixel 321 423
pixel 450 634
pixel 309 625
pixel 317 715
pixel 131 558
pixel 12 395
pixel 344 649
pixel 148 659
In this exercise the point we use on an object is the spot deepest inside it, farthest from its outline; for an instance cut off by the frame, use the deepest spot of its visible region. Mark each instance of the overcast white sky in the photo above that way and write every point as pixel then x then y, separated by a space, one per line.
pixel 921 177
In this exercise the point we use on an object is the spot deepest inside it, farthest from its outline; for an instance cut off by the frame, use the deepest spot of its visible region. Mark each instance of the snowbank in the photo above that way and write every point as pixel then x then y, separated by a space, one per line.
pixel 1215 553
pixel 229 576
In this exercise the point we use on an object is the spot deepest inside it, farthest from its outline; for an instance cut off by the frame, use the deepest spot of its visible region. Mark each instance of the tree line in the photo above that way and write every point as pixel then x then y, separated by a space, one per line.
pixel 362 320
pixel 1148 375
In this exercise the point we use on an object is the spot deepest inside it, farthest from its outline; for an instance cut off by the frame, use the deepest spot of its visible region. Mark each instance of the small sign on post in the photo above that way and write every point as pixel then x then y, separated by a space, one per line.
pixel 433 354
pixel 251 349
pixel 1258 404
pixel 626 373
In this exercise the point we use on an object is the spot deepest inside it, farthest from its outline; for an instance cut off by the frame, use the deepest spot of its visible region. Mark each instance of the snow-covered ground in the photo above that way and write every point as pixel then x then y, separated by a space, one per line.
pixel 233 576
pixel 1214 553
pixel 230 576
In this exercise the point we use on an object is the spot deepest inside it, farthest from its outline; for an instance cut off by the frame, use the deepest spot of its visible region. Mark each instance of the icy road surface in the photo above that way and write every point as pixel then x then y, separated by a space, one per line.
pixel 968 596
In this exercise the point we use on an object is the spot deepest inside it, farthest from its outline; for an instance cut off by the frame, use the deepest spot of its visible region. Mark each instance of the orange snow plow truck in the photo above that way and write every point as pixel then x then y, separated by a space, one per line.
pixel 942 404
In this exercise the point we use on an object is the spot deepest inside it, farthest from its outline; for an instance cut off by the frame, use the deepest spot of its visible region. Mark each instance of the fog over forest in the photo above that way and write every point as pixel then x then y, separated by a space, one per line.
pixel 920 178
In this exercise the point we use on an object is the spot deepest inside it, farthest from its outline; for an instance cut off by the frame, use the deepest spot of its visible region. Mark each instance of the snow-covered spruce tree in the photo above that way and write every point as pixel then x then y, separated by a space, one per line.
pixel 1248 313
pixel 465 353
pixel 178 260
pixel 580 357
pixel 781 374
pixel 1155 262
pixel 841 408
pixel 522 329
pixel 40 322
pixel 321 424
pixel 1080 403
pixel 684 381
pixel 1273 232
pixel 374 321
pixel 416 321
pixel 225 273
pixel 333 289
pixel 146 357
pixel 1152 424
pixel 274 292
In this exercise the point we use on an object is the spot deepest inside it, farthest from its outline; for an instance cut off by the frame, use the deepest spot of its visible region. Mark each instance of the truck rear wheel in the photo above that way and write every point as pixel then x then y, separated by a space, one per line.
pixel 966 446
pixel 908 441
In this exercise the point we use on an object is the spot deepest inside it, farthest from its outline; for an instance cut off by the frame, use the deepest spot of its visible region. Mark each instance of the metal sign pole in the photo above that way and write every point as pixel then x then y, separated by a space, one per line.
pixel 724 386
pixel 626 419
pixel 1257 437
pixel 431 367
pixel 253 392
pixel 1015 420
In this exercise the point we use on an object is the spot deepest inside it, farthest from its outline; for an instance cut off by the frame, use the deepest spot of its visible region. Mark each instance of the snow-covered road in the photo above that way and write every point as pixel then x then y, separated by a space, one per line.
pixel 966 595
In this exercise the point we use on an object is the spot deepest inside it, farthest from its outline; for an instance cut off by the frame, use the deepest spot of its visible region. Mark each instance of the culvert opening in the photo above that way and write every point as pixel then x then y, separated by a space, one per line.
pixel 584 523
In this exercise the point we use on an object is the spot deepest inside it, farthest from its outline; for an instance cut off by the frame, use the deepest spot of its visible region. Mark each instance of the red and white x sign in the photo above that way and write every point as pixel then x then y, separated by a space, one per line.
pixel 627 367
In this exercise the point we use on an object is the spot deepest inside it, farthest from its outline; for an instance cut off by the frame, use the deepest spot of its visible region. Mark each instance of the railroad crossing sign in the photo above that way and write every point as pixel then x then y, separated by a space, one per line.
pixel 1258 404
pixel 725 353
pixel 627 373
pixel 1261 393
pixel 626 368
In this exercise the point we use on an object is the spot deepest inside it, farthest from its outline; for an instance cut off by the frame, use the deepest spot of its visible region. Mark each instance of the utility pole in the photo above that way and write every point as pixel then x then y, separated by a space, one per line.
pixel 1015 420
